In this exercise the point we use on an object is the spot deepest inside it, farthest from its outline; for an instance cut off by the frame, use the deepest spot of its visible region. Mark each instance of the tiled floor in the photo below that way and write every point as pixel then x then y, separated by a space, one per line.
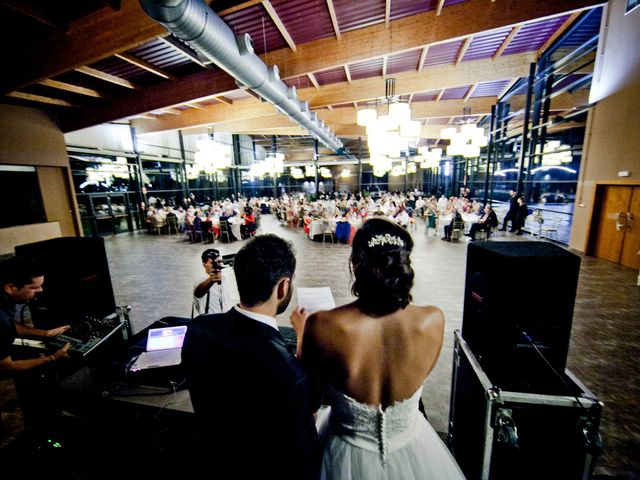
pixel 155 275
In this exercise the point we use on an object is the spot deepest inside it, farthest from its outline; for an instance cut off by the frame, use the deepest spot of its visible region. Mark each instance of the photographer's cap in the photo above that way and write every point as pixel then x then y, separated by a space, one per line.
pixel 210 253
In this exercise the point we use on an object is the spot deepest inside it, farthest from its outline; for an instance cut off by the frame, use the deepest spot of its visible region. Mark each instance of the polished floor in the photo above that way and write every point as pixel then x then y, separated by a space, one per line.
pixel 155 275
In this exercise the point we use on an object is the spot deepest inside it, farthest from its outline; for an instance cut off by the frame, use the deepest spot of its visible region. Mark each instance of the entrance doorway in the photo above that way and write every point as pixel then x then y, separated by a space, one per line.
pixel 617 231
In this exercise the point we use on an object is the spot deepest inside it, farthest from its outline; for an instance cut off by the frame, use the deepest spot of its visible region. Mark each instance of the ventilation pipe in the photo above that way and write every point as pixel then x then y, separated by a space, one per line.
pixel 195 23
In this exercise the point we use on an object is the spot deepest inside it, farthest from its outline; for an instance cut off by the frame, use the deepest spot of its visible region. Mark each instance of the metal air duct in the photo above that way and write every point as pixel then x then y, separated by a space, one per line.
pixel 195 23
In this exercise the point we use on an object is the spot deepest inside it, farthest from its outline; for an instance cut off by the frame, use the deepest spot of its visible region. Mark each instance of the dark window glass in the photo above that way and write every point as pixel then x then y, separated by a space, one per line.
pixel 20 198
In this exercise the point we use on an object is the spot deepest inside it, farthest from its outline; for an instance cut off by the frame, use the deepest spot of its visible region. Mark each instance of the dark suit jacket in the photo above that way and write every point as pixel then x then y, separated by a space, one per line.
pixel 251 398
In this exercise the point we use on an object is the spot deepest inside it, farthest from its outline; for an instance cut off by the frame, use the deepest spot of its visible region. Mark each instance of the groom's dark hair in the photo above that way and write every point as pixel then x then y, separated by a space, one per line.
pixel 260 265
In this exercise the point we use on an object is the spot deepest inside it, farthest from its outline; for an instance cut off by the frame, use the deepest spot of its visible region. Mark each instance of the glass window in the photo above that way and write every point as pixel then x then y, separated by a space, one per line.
pixel 20 197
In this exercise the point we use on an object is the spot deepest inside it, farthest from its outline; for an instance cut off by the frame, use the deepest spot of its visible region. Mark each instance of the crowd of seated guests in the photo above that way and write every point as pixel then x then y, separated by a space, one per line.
pixel 203 221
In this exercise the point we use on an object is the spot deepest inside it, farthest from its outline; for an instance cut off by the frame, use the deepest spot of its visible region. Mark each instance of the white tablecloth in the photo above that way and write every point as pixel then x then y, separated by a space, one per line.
pixel 234 223
pixel 315 227
pixel 468 218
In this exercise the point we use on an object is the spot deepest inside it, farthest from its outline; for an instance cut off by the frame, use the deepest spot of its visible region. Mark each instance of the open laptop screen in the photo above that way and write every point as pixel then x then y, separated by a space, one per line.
pixel 165 338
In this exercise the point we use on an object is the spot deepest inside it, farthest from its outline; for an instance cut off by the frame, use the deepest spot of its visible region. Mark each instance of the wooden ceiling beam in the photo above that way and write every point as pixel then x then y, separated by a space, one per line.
pixel 347 72
pixel 88 40
pixel 41 99
pixel 192 88
pixel 146 66
pixel 240 110
pixel 508 86
pixel 313 80
pixel 423 57
pixel 472 89
pixel 235 8
pixel 445 76
pixel 416 31
pixel 278 23
pixel 363 90
pixel 223 99
pixel 387 13
pixel 334 18
pixel 419 110
pixel 503 46
pixel 107 77
pixel 463 50
pixel 558 32
pixel 67 87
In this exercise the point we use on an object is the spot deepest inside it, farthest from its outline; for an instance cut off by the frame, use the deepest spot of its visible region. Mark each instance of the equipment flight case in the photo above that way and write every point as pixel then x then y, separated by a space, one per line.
pixel 546 429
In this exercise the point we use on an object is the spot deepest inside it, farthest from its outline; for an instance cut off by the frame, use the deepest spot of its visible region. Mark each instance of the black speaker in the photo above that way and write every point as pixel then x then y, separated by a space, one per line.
pixel 77 283
pixel 518 309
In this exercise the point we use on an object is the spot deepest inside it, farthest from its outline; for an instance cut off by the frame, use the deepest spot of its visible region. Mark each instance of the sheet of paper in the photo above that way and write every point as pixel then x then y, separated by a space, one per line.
pixel 315 299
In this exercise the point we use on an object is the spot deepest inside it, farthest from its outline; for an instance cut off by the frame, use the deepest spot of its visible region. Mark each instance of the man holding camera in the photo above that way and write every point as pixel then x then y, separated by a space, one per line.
pixel 211 295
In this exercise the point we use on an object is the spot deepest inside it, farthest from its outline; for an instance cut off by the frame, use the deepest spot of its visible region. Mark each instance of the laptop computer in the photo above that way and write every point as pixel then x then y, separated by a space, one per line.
pixel 164 348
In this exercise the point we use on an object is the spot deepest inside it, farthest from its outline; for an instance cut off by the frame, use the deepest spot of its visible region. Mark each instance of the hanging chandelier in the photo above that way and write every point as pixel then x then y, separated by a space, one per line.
pixel 212 155
pixel 466 139
pixel 388 134
pixel 272 166
pixel 429 158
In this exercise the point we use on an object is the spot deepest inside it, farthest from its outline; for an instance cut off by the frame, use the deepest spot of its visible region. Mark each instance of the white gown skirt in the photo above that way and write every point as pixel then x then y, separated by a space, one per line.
pixel 416 453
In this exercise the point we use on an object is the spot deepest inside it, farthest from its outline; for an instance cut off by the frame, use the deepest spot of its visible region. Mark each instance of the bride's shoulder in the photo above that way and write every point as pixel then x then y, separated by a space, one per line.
pixel 426 317
pixel 328 320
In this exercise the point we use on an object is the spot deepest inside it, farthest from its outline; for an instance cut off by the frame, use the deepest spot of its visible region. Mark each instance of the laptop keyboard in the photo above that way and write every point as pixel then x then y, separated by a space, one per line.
pixel 159 358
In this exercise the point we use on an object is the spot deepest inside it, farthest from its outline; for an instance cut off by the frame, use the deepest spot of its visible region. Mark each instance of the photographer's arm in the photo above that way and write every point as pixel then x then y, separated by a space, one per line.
pixel 203 287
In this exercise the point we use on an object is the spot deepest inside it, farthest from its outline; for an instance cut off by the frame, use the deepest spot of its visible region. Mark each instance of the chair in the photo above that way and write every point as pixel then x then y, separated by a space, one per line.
pixel 550 229
pixel 457 229
pixel 225 230
pixel 172 223
pixel 157 224
pixel 483 234
pixel 197 230
pixel 326 230
pixel 258 220
pixel 343 231
pixel 290 219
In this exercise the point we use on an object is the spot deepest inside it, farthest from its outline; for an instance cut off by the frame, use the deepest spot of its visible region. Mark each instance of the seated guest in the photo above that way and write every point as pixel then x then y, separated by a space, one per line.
pixel 488 221
pixel 402 218
pixel 448 229
pixel 249 222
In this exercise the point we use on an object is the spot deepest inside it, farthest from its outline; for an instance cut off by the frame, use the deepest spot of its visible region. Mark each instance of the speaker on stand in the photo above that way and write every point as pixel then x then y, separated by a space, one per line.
pixel 513 288
pixel 515 411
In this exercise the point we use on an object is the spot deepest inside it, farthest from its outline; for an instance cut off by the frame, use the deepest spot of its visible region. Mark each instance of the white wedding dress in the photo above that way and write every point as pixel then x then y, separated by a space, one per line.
pixel 368 443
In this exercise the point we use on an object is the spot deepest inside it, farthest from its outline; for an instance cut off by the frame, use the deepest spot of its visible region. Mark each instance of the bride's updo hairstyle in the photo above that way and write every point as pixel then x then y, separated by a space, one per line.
pixel 381 267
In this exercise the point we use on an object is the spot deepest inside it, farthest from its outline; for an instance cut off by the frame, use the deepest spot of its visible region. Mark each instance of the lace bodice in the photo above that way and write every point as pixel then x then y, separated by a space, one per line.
pixel 369 422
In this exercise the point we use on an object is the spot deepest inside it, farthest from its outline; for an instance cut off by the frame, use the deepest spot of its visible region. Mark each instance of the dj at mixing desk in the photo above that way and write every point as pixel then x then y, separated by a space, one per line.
pixel 91 334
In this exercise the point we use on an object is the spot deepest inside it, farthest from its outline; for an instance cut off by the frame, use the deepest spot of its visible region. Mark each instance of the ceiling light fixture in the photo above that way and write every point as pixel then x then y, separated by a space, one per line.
pixel 466 138
pixel 388 135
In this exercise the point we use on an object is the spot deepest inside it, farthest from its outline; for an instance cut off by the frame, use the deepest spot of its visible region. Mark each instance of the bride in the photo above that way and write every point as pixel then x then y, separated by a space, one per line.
pixel 373 356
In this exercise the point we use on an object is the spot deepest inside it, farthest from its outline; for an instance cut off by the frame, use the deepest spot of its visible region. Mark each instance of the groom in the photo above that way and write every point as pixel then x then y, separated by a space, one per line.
pixel 251 398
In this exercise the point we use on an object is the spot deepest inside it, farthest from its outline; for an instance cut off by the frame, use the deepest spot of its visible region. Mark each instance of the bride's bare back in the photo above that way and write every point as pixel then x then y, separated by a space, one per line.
pixel 375 360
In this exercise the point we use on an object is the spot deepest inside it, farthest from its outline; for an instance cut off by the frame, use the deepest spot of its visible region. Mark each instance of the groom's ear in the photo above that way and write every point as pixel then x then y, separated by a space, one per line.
pixel 283 287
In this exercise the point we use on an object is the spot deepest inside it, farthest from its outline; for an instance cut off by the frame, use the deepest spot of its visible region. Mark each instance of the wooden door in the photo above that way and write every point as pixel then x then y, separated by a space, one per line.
pixel 618 233
pixel 56 191
pixel 611 229
pixel 631 245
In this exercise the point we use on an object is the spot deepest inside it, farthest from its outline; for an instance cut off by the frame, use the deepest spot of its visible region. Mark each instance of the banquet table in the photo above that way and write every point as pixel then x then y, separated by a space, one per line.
pixel 468 218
